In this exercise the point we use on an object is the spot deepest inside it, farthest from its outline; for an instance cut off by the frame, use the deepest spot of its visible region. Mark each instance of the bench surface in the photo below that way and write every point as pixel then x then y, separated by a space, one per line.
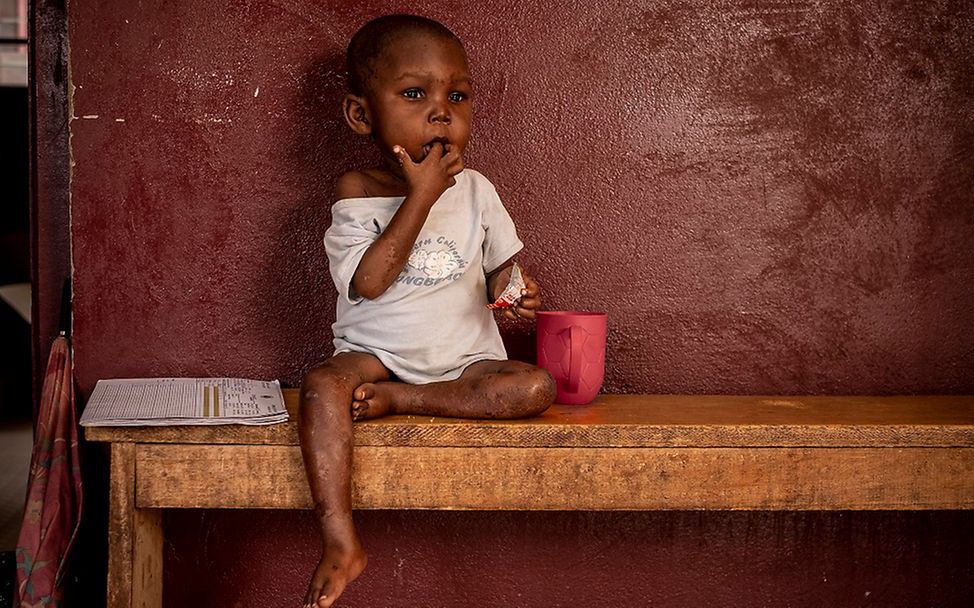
pixel 635 421
pixel 622 452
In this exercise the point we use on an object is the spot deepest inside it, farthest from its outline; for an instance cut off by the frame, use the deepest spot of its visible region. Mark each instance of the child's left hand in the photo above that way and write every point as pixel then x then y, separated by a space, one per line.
pixel 530 301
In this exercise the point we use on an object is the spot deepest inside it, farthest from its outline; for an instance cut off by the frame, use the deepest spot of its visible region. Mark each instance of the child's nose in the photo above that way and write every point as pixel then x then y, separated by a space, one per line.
pixel 440 112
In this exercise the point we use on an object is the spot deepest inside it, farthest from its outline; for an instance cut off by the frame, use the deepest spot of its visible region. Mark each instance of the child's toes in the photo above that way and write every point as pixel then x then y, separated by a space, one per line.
pixel 328 596
pixel 320 596
pixel 364 392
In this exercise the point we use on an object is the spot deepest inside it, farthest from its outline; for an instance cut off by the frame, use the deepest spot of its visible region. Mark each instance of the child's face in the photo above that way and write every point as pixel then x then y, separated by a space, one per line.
pixel 420 94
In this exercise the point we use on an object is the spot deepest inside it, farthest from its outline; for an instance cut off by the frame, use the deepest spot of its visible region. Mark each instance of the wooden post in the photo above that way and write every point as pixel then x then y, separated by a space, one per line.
pixel 134 539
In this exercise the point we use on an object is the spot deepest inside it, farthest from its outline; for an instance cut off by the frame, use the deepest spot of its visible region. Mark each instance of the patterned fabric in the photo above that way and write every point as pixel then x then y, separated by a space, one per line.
pixel 53 509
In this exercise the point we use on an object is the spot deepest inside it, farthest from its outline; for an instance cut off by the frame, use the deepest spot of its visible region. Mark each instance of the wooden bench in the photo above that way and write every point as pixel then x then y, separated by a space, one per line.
pixel 623 452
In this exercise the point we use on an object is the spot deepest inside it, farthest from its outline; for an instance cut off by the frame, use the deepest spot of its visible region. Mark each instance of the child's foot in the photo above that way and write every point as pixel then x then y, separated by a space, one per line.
pixel 331 576
pixel 372 400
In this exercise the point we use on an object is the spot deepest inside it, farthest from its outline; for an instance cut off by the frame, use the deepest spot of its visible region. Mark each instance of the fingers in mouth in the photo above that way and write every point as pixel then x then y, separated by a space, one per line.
pixel 429 146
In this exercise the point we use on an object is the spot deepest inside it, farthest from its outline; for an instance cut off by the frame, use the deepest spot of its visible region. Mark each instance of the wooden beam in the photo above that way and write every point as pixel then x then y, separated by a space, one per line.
pixel 120 525
pixel 637 421
pixel 147 558
pixel 195 476
pixel 135 538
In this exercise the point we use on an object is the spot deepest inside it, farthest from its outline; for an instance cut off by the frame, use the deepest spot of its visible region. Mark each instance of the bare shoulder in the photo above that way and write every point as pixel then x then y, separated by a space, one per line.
pixel 367 183
pixel 351 185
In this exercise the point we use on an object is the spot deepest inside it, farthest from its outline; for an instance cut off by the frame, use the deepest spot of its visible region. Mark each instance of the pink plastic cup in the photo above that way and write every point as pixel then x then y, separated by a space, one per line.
pixel 571 346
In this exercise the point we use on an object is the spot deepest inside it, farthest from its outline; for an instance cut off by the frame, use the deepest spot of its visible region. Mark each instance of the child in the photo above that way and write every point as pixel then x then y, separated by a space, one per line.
pixel 417 248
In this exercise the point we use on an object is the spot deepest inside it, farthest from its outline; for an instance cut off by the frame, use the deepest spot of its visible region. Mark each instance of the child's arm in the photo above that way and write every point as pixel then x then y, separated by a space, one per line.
pixel 388 254
pixel 530 300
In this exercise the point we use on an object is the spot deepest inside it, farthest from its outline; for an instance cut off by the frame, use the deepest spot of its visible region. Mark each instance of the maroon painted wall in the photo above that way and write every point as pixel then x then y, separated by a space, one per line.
pixel 766 197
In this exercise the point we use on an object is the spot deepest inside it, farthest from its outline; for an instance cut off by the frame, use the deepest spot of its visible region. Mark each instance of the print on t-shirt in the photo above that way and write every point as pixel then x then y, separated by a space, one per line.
pixel 433 261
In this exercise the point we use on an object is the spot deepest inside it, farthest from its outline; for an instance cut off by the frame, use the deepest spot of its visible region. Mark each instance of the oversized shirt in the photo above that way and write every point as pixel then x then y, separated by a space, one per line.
pixel 432 322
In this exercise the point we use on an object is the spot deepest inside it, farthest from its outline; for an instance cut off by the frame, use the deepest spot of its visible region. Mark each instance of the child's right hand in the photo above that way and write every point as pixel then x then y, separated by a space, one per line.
pixel 432 176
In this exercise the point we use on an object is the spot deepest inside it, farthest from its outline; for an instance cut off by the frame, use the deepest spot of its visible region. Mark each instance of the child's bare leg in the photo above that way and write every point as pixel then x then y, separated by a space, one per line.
pixel 486 389
pixel 325 428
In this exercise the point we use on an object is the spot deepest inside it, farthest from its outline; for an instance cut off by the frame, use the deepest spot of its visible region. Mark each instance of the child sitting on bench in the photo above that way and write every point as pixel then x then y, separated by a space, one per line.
pixel 417 248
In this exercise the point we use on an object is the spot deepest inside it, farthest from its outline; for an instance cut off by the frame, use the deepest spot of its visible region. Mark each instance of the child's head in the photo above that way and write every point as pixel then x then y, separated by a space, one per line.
pixel 367 46
pixel 409 85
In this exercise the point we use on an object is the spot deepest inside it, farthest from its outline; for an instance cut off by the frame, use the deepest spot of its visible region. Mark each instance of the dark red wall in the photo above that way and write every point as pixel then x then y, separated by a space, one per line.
pixel 766 197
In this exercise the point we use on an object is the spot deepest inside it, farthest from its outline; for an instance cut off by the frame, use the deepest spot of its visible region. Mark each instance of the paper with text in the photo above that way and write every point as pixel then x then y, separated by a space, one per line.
pixel 166 401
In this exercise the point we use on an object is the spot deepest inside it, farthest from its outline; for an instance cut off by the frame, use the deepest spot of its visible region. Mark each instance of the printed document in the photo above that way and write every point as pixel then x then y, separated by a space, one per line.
pixel 167 401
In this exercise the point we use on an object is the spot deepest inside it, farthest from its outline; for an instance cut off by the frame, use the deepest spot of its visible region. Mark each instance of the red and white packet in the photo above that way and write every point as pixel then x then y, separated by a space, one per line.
pixel 512 293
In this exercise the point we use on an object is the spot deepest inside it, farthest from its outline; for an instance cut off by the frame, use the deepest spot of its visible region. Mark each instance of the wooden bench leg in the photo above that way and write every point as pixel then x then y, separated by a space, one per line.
pixel 134 539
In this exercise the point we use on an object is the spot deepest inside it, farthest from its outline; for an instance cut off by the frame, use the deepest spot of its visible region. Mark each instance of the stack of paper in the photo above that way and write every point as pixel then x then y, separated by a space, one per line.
pixel 167 401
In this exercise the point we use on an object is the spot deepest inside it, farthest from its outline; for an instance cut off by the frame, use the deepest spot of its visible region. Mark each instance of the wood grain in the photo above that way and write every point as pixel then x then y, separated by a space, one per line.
pixel 639 421
pixel 568 478
pixel 623 452
pixel 121 533
pixel 135 538
pixel 147 558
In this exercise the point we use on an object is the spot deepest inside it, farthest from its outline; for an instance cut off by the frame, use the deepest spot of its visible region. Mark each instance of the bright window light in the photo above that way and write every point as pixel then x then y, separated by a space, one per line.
pixel 13 43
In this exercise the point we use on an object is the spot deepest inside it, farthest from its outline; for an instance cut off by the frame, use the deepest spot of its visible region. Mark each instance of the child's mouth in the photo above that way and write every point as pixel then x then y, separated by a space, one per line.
pixel 439 140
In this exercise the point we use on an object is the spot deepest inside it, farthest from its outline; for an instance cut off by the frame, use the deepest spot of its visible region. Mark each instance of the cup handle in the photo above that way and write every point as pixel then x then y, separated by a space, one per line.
pixel 575 338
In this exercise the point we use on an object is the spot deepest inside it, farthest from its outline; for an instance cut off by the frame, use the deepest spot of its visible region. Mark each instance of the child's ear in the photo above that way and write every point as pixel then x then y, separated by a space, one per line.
pixel 356 112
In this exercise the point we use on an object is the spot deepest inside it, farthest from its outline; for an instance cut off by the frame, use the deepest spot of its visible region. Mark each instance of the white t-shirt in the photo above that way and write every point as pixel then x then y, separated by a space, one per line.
pixel 431 323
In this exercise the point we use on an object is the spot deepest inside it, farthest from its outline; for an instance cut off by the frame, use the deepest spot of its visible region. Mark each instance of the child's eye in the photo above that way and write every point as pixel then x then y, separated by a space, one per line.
pixel 412 93
pixel 457 96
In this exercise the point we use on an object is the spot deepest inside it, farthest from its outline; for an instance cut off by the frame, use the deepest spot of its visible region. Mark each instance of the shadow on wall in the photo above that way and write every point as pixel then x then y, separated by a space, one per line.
pixel 302 290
